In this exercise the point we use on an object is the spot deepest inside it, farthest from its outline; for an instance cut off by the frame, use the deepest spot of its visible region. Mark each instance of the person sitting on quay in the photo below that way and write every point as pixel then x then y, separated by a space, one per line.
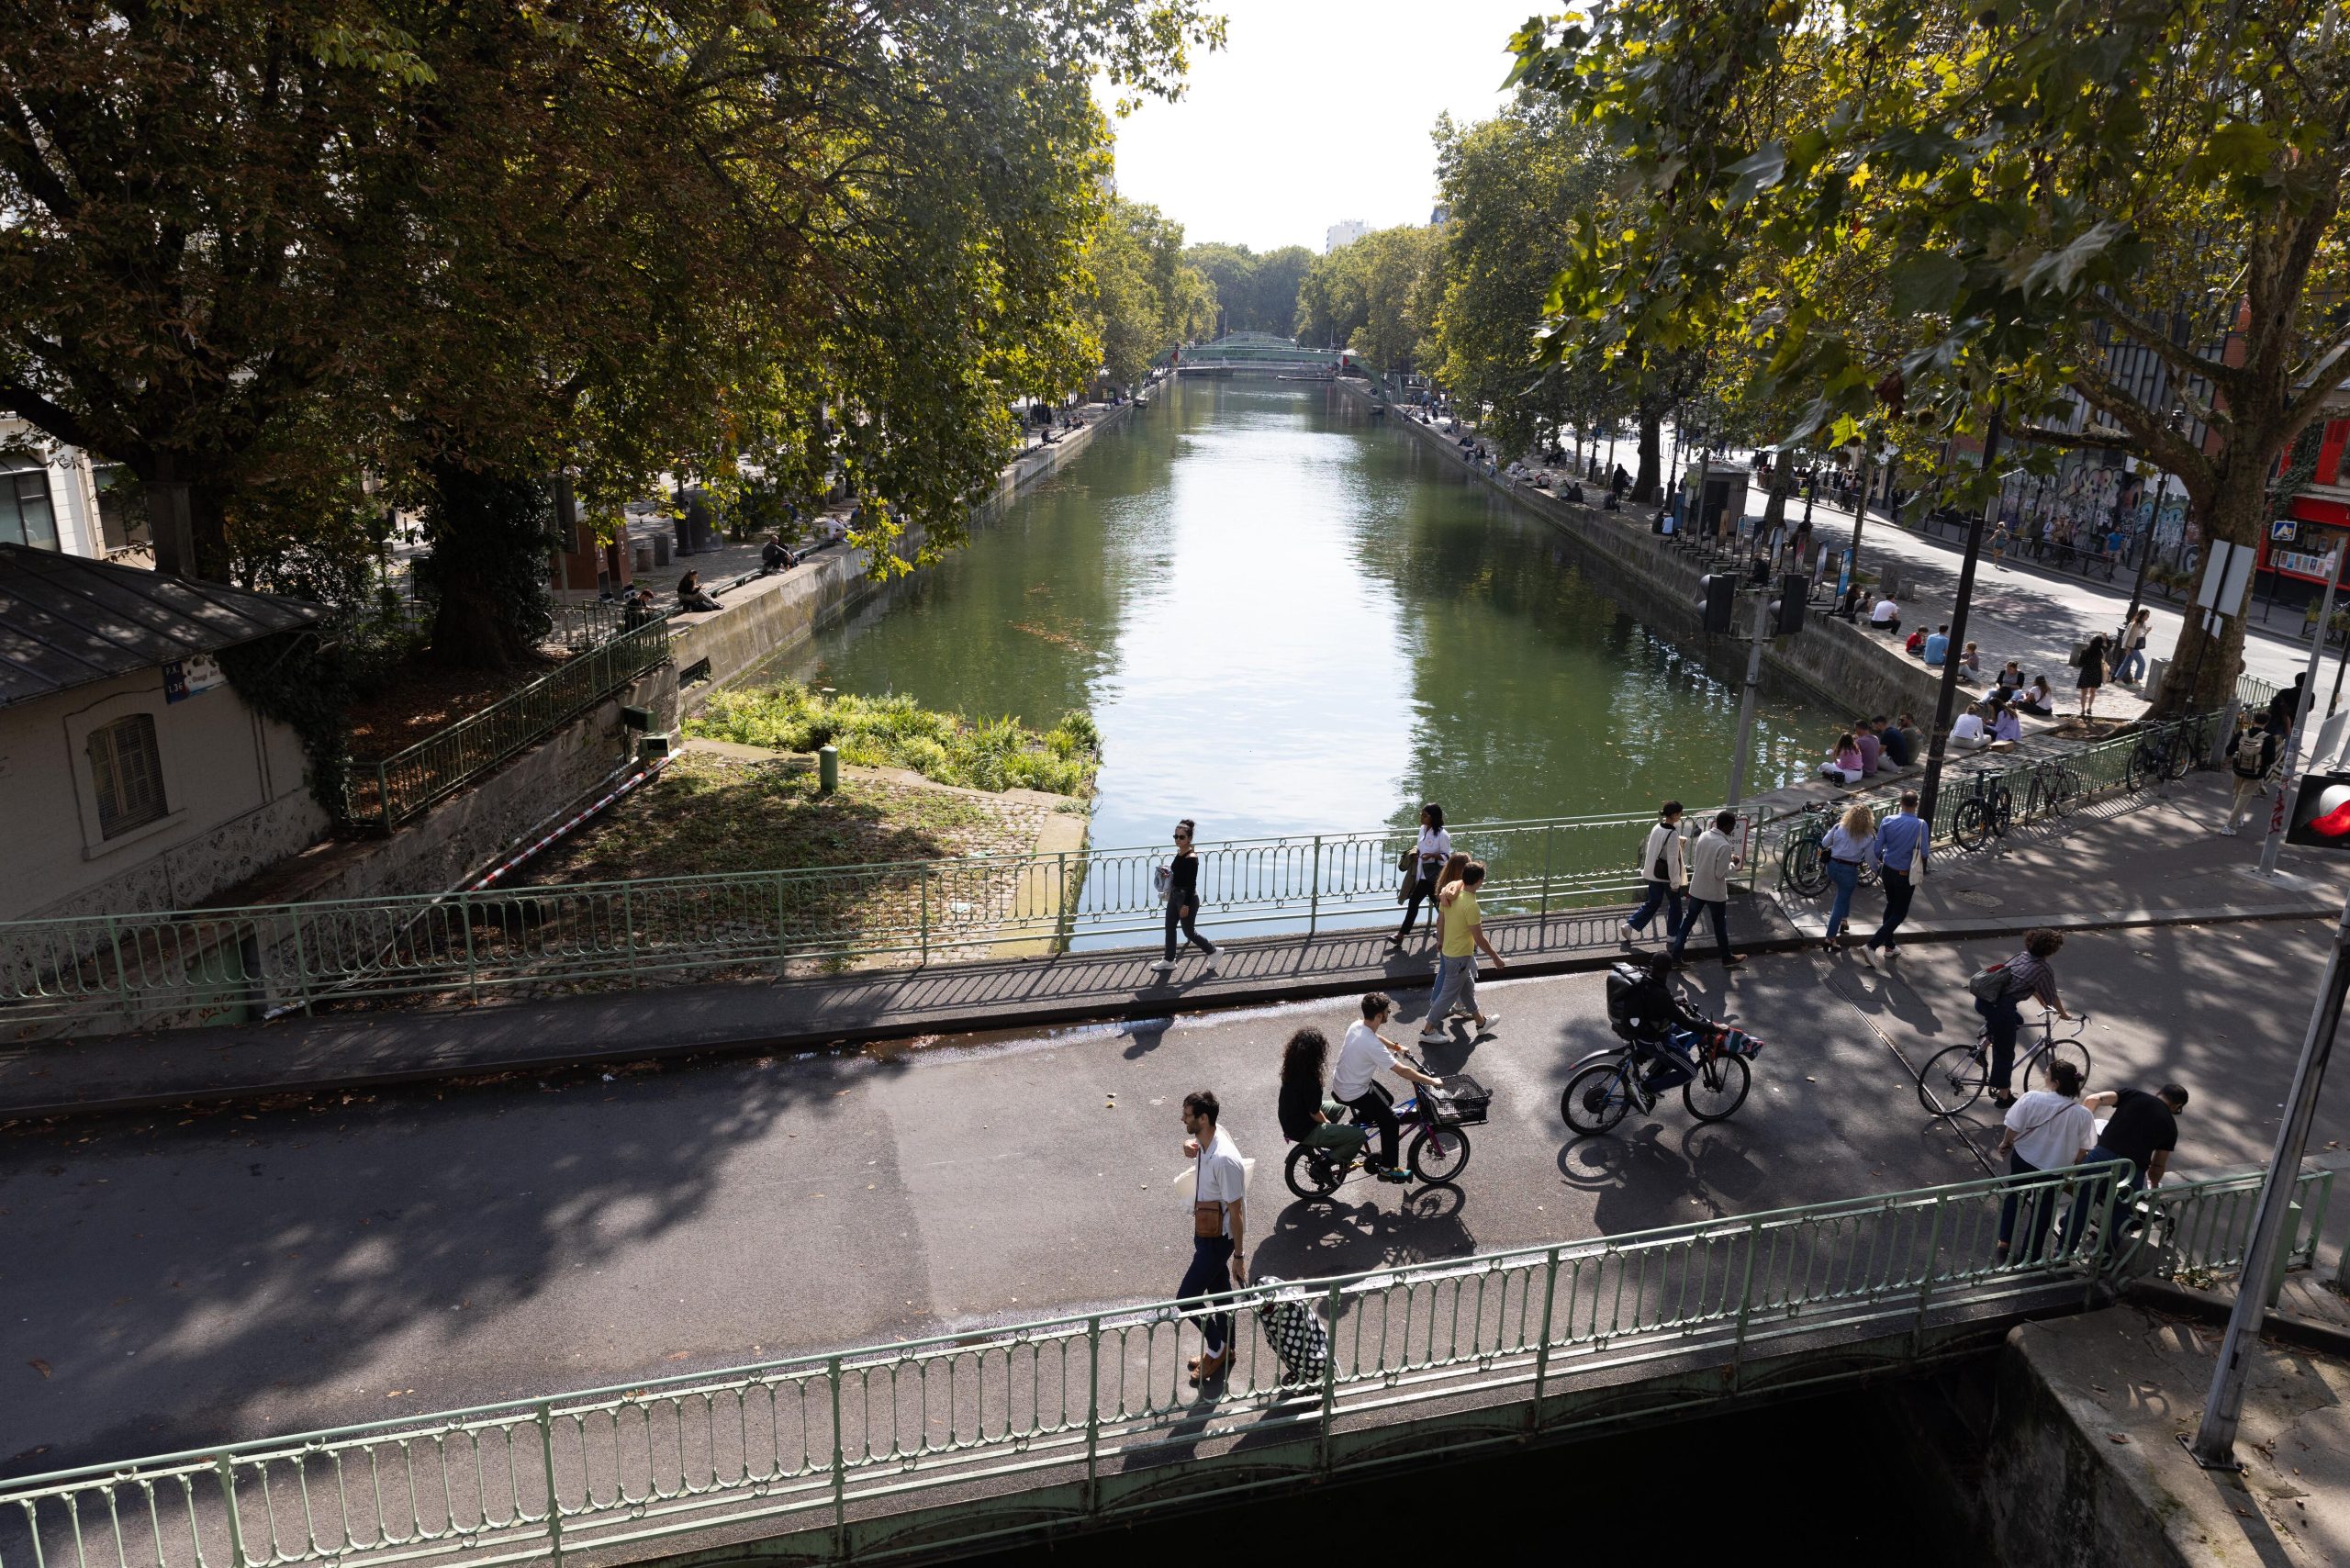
pixel 1849 607
pixel 1843 763
pixel 636 609
pixel 2007 730
pixel 1968 734
pixel 1937 648
pixel 1886 616
pixel 774 556
pixel 1872 749
pixel 1900 741
pixel 1970 665
pixel 692 596
pixel 2010 678
pixel 2036 698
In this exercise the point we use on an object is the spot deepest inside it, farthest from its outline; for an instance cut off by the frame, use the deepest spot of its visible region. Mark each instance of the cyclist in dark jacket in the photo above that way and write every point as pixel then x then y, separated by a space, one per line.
pixel 2028 974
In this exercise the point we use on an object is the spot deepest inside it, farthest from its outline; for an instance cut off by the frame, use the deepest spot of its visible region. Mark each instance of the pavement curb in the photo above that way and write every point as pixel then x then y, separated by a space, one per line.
pixel 1097 1008
pixel 2309 1334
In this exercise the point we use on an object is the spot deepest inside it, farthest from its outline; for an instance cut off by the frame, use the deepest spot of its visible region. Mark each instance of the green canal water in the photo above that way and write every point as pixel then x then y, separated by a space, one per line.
pixel 1288 617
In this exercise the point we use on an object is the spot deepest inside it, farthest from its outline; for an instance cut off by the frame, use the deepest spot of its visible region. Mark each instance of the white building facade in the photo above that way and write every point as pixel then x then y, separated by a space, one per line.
pixel 1343 233
pixel 55 497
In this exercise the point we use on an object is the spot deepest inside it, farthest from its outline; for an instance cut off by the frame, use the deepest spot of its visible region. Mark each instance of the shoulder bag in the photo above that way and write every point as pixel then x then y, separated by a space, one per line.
pixel 1207 1214
pixel 1990 982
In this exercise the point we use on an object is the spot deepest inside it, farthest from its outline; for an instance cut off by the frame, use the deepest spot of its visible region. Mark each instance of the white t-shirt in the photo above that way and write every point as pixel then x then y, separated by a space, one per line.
pixel 1222 1178
pixel 2050 1129
pixel 1434 844
pixel 1886 610
pixel 1361 1056
pixel 1968 728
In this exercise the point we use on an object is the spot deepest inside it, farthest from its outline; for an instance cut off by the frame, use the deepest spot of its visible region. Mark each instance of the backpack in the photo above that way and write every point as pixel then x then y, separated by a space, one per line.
pixel 2246 762
pixel 1990 982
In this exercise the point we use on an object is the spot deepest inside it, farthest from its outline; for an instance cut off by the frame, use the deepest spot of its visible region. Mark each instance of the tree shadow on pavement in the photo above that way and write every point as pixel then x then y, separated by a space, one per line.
pixel 242 1272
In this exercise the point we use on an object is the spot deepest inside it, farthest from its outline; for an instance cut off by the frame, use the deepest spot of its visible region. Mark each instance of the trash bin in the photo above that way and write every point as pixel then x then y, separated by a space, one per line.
pixel 642 556
pixel 661 548
pixel 1888 581
pixel 2155 671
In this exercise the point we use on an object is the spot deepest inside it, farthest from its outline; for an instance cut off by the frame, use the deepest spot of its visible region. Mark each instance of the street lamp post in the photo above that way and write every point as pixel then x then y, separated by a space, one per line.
pixel 1938 744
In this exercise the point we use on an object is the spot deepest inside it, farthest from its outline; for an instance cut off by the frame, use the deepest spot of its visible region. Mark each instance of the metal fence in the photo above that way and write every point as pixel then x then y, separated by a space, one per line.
pixel 386 791
pixel 827 1447
pixel 2016 790
pixel 194 965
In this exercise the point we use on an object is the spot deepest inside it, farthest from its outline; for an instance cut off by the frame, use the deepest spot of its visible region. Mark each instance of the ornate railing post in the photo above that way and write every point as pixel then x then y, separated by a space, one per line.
pixel 839 1467
pixel 237 1558
pixel 554 1503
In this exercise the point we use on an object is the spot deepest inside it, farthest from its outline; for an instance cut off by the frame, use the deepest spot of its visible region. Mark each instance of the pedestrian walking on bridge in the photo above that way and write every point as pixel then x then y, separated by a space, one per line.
pixel 1901 849
pixel 1665 868
pixel 1462 925
pixel 1219 1228
pixel 1711 860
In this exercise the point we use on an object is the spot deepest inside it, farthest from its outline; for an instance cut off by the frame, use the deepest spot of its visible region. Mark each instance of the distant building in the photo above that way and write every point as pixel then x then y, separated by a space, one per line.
pixel 55 497
pixel 1439 215
pixel 1343 233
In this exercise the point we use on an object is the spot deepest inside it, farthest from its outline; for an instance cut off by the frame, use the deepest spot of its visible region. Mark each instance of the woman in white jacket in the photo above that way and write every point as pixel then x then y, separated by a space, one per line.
pixel 1664 866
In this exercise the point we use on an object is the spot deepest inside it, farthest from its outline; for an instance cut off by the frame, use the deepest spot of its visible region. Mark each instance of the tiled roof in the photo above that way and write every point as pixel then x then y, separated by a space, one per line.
pixel 66 622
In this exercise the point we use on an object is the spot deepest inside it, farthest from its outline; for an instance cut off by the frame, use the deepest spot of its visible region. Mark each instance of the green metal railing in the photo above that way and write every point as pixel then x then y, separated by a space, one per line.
pixel 173 965
pixel 1075 1420
pixel 386 791
pixel 2125 764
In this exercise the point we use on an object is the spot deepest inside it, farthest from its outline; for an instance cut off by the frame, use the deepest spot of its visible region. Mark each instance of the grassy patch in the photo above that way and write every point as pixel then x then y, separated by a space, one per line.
pixel 710 814
pixel 896 731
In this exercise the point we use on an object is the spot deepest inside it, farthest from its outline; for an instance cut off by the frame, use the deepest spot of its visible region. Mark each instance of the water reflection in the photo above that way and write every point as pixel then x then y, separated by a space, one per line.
pixel 1287 618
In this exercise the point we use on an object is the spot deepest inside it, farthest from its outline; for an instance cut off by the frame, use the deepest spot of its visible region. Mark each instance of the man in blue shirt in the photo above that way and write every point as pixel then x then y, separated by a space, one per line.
pixel 1937 647
pixel 1901 845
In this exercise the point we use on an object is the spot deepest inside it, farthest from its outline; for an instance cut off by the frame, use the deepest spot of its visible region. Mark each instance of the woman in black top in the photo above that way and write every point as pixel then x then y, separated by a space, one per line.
pixel 1183 899
pixel 2092 668
pixel 1308 1114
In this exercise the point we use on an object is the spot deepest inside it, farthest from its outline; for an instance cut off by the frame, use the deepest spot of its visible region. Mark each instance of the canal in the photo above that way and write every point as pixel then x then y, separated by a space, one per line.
pixel 1287 616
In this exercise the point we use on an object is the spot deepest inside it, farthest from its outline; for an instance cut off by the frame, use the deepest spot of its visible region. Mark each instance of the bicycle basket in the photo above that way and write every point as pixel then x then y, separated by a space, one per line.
pixel 1459 1101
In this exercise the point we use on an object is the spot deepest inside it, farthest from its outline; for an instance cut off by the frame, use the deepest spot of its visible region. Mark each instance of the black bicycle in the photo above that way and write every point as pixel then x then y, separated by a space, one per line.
pixel 1955 1076
pixel 1438 1150
pixel 2055 790
pixel 1803 864
pixel 1607 1086
pixel 1987 808
pixel 2165 755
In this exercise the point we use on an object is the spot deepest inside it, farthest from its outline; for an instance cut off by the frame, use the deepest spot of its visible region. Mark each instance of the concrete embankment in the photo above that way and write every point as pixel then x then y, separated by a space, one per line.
pixel 1828 661
pixel 770 616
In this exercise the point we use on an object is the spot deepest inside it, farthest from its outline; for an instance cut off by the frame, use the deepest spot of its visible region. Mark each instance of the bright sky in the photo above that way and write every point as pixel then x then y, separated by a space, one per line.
pixel 1314 111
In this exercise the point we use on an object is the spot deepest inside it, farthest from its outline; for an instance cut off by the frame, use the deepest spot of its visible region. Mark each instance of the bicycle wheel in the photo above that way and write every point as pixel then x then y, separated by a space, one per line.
pixel 2185 748
pixel 2064 790
pixel 1805 869
pixel 1951 1080
pixel 2059 1050
pixel 1437 1154
pixel 1596 1098
pixel 2003 810
pixel 1311 1173
pixel 1718 1089
pixel 2148 766
pixel 1970 825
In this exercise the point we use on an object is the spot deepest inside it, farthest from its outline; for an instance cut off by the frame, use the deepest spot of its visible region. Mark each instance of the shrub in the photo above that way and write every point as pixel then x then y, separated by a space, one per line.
pixel 896 731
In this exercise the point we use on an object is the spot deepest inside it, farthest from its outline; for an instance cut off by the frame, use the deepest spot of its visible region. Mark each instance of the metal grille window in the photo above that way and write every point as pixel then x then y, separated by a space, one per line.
pixel 128 773
pixel 26 516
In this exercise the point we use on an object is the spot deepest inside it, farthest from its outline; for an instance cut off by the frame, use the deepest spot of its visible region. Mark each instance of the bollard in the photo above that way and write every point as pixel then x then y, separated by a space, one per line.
pixel 828 769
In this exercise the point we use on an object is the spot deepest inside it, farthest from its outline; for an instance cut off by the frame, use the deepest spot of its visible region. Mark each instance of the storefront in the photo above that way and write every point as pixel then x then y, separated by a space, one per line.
pixel 2294 554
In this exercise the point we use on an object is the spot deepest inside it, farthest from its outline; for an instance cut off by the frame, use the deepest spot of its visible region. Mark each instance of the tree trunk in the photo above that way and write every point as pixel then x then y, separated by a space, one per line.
pixel 2203 668
pixel 489 567
pixel 1774 510
pixel 1647 485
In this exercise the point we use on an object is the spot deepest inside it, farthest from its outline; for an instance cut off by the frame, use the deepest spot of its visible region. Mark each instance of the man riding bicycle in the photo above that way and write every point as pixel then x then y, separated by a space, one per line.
pixel 1664 1029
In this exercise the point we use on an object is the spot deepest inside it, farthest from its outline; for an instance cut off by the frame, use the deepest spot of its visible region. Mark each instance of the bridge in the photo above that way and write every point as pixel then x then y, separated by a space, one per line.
pixel 1256 353
pixel 921 1449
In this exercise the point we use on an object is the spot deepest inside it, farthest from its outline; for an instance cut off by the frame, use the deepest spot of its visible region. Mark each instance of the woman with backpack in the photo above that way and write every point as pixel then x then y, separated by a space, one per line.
pixel 2252 762
pixel 1999 992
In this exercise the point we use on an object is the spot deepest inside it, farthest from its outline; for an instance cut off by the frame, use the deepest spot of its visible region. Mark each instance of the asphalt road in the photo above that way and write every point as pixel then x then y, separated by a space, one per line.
pixel 172 1282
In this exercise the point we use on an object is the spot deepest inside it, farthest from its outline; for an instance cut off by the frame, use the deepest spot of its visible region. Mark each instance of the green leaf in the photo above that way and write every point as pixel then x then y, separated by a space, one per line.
pixel 1926 283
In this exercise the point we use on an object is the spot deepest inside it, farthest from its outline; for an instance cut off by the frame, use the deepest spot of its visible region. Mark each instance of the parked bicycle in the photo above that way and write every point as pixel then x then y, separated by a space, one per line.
pixel 2054 791
pixel 1987 808
pixel 1955 1076
pixel 1803 868
pixel 1438 1149
pixel 2166 754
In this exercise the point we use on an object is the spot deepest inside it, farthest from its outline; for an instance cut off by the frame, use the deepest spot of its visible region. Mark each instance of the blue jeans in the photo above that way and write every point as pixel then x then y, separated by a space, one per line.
pixel 1659 893
pixel 1846 874
pixel 2134 665
pixel 1455 988
pixel 2037 1211
pixel 2079 1214
pixel 1718 910
pixel 1210 1274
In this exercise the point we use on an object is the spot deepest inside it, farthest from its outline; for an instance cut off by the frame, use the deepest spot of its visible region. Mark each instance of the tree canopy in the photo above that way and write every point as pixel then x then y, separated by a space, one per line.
pixel 1148 294
pixel 2118 224
pixel 1254 293
pixel 1377 296
pixel 442 238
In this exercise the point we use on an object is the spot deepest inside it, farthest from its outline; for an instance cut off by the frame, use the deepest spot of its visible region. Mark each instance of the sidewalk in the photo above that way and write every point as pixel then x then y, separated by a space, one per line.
pixel 2023 613
pixel 348 1050
pixel 2103 868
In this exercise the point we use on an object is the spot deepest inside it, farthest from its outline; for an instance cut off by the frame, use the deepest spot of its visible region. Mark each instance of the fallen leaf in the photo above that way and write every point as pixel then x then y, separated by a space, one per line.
pixel 39 1365
pixel 2117 1436
pixel 677 1355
